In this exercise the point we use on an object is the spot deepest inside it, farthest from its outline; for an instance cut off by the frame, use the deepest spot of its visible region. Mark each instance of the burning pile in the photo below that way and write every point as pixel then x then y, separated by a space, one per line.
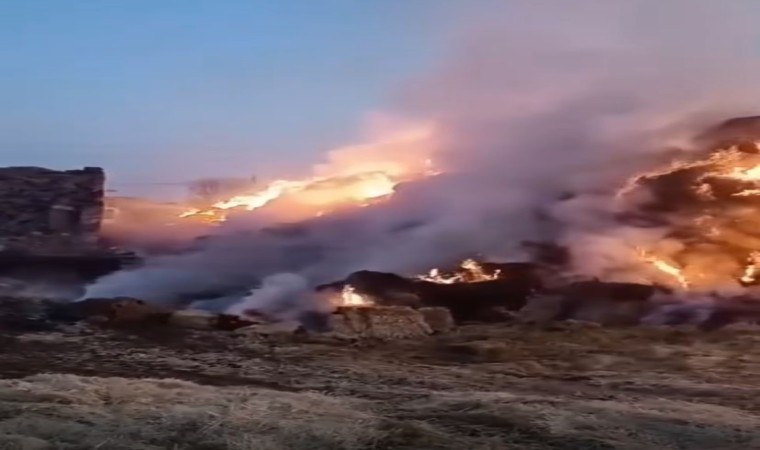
pixel 699 217
pixel 711 209
pixel 471 272
pixel 475 292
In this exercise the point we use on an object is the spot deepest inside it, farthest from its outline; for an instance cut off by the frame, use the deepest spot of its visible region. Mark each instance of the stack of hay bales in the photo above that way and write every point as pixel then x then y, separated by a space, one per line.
pixel 379 322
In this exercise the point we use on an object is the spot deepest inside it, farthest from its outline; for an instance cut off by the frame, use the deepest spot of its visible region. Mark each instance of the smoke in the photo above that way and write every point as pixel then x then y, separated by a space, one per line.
pixel 530 101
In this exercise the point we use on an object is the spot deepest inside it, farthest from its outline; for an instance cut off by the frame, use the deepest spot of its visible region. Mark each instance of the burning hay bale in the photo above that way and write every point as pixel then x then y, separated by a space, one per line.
pixel 379 322
pixel 709 204
pixel 472 294
pixel 367 288
pixel 477 290
pixel 474 301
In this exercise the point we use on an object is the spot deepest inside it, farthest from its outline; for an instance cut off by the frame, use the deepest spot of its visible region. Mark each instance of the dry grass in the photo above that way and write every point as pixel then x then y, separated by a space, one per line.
pixel 574 387
pixel 72 412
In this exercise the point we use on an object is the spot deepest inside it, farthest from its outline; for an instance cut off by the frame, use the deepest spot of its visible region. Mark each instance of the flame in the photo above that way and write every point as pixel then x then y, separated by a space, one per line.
pixel 209 215
pixel 272 191
pixel 709 175
pixel 751 269
pixel 349 297
pixel 747 193
pixel 746 174
pixel 665 267
pixel 355 175
pixel 471 272
pixel 724 163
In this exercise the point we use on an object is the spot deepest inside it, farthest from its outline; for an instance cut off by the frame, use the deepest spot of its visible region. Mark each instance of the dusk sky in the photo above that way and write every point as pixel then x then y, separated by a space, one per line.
pixel 172 90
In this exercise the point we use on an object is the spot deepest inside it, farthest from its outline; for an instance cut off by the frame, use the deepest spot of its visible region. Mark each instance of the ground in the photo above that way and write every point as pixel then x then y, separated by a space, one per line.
pixel 571 387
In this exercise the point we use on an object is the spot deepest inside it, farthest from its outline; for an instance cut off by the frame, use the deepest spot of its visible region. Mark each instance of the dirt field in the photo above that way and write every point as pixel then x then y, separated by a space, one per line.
pixel 485 387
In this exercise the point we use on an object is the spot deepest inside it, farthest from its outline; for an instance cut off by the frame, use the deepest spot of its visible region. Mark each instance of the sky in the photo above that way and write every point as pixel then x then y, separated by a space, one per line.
pixel 172 90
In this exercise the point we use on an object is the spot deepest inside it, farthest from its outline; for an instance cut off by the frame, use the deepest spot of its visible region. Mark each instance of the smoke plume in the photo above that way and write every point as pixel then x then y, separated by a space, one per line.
pixel 532 100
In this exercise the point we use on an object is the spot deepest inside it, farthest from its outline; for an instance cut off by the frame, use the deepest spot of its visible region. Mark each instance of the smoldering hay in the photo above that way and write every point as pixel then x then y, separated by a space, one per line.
pixel 539 115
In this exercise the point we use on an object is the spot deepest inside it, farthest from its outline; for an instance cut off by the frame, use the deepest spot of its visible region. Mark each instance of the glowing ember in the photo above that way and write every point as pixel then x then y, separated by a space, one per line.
pixel 349 297
pixel 471 272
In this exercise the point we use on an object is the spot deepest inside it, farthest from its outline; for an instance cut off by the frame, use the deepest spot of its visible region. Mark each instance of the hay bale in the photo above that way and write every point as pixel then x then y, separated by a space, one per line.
pixel 287 328
pixel 379 322
pixel 232 322
pixel 199 320
pixel 439 319
pixel 120 311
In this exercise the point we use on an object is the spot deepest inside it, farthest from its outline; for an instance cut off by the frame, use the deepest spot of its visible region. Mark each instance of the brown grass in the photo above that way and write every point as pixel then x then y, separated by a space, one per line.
pixel 571 387
pixel 72 412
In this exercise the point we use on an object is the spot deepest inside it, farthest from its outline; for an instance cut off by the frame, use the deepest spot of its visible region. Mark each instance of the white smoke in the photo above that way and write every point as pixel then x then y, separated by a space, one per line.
pixel 535 98
pixel 278 295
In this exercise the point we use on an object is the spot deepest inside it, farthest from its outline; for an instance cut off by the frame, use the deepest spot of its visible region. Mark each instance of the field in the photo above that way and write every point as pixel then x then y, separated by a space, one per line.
pixel 569 387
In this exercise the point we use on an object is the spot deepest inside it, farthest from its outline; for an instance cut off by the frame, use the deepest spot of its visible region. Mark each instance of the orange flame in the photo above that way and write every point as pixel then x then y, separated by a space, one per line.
pixel 750 271
pixel 665 267
pixel 725 163
pixel 472 272
pixel 349 297
pixel 741 168
pixel 356 175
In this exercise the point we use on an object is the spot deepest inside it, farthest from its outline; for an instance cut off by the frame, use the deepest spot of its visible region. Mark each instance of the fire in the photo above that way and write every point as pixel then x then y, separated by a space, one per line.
pixel 712 205
pixel 324 193
pixel 355 176
pixel 724 163
pixel 747 193
pixel 209 215
pixel 272 191
pixel 349 297
pixel 471 272
pixel 750 271
pixel 748 174
pixel 665 267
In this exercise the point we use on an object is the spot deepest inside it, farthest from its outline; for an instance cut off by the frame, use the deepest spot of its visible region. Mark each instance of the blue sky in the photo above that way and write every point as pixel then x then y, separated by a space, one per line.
pixel 176 89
